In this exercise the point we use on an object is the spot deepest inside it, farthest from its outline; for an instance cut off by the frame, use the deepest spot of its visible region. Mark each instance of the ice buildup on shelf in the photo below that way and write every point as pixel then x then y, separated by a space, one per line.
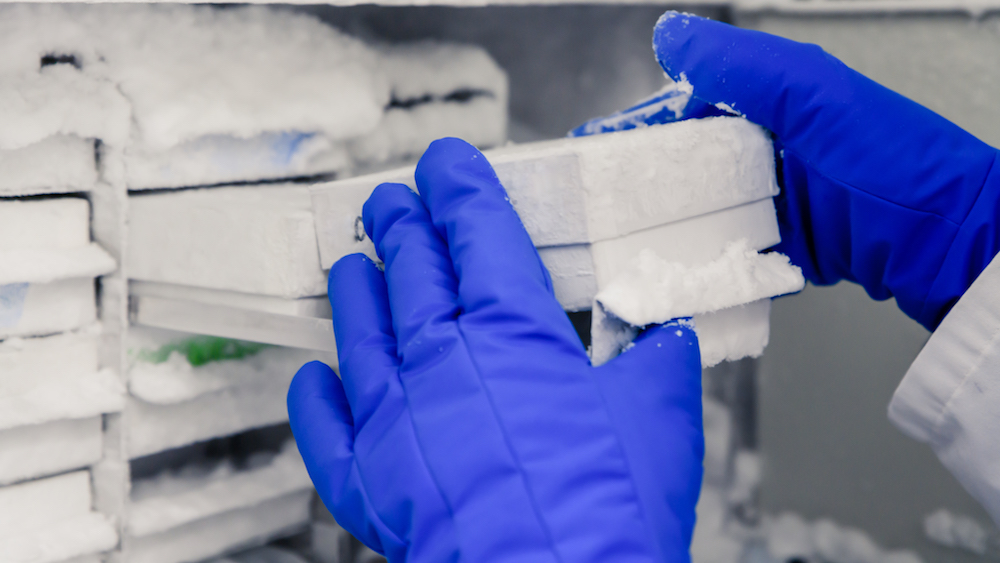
pixel 437 90
pixel 187 388
pixel 209 507
pixel 199 96
pixel 214 96
pixel 51 520
pixel 53 116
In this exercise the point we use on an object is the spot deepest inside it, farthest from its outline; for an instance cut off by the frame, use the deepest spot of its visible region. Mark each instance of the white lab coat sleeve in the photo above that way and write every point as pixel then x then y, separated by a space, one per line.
pixel 950 397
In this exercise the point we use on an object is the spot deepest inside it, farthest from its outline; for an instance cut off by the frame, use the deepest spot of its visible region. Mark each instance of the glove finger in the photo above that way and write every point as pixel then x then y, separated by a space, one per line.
pixel 502 281
pixel 366 344
pixel 418 271
pixel 844 125
pixel 321 421
pixel 673 103
pixel 653 392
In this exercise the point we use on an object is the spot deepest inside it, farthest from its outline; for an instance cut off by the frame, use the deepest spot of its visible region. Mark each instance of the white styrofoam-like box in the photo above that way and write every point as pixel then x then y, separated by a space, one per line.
pixel 49 448
pixel 57 164
pixel 167 501
pixel 228 531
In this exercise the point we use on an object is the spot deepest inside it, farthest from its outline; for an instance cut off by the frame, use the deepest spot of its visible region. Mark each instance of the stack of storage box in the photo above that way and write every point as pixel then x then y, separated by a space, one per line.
pixel 139 104
pixel 54 386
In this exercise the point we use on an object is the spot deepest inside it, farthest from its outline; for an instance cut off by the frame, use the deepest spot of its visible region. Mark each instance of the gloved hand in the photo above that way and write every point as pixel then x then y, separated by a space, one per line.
pixel 877 189
pixel 469 425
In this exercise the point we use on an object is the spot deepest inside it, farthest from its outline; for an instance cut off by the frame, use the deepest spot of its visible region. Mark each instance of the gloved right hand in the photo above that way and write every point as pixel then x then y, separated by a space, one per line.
pixel 470 425
pixel 876 189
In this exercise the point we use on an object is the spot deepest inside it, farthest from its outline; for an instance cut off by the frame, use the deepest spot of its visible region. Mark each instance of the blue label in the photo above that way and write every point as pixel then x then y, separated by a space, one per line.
pixel 12 303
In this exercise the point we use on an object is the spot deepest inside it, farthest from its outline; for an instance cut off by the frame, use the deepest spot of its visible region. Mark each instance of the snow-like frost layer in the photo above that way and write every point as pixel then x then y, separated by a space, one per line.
pixel 82 396
pixel 36 309
pixel 955 530
pixel 218 159
pixel 50 520
pixel 57 164
pixel 789 536
pixel 161 374
pixel 225 532
pixel 50 448
pixel 175 403
pixel 195 71
pixel 44 224
pixel 57 100
pixel 79 536
pixel 438 90
pixel 253 240
pixel 45 266
pixel 26 363
pixel 172 499
pixel 655 291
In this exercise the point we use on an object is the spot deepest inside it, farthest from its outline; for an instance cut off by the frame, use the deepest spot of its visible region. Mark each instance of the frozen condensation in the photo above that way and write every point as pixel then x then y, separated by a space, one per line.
pixel 655 291
pixel 956 530
pixel 50 520
pixel 178 401
pixel 57 164
pixel 49 448
pixel 171 499
pixel 438 90
pixel 190 71
pixel 210 537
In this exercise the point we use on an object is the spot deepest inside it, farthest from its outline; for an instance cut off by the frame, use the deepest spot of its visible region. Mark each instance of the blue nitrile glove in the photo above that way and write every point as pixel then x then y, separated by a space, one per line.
pixel 469 425
pixel 877 189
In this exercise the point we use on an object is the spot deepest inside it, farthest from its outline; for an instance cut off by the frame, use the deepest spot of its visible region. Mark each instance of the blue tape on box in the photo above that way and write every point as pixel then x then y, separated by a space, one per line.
pixel 12 297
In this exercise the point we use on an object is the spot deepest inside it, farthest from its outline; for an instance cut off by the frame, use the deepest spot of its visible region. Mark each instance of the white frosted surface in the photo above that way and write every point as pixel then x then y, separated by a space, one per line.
pixel 730 334
pixel 80 536
pixel 56 223
pixel 653 290
pixel 58 100
pixel 254 240
pixel 220 159
pixel 26 363
pixel 955 530
pixel 579 272
pixel 432 71
pixel 57 164
pixel 233 395
pixel 194 71
pixel 789 535
pixel 172 499
pixel 33 309
pixel 38 504
pixel 46 449
pixel 80 395
pixel 44 266
pixel 724 335
pixel 176 380
pixel 439 69
pixel 228 531
pixel 587 189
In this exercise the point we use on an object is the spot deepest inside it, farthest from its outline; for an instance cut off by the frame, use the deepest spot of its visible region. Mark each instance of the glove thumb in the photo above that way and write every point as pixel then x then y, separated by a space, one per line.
pixel 845 125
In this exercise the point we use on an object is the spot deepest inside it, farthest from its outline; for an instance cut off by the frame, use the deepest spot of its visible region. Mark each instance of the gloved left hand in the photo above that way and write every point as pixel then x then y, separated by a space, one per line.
pixel 470 425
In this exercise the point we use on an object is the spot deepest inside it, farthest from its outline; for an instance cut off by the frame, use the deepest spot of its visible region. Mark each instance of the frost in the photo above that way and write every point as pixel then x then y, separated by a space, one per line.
pixel 199 491
pixel 655 291
pixel 955 530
